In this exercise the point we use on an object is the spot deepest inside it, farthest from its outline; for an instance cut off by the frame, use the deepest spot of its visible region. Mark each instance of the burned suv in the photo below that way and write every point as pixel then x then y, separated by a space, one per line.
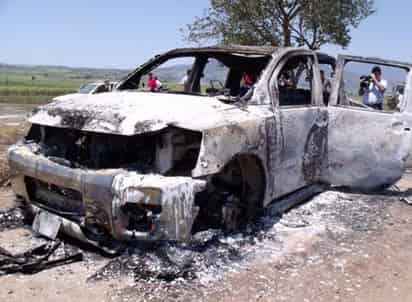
pixel 228 132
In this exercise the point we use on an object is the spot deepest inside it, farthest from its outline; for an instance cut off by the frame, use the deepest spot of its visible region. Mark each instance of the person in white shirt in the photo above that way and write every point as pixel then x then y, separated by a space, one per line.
pixel 373 92
pixel 158 84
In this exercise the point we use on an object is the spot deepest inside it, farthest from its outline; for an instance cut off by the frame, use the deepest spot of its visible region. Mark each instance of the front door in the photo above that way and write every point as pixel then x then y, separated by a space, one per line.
pixel 302 120
pixel 368 145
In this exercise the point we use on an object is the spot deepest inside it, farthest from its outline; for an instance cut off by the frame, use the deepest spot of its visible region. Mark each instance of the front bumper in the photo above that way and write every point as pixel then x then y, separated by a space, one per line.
pixel 106 196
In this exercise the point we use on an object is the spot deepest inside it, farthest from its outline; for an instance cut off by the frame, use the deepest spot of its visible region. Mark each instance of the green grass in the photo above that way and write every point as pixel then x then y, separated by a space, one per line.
pixel 34 89
pixel 10 80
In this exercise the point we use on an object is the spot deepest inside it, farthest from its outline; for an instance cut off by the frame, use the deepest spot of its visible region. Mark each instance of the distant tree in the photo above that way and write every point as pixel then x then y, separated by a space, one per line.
pixel 310 23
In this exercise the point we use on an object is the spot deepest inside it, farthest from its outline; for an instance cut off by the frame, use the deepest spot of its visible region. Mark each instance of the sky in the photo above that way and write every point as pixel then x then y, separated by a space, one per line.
pixel 124 34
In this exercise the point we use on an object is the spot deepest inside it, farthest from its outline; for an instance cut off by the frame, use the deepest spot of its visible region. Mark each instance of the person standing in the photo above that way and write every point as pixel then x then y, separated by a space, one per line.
pixel 151 83
pixel 326 87
pixel 373 92
pixel 185 80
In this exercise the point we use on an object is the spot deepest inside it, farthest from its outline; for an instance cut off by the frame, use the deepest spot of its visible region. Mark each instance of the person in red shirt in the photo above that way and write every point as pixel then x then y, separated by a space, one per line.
pixel 247 79
pixel 151 82
pixel 247 82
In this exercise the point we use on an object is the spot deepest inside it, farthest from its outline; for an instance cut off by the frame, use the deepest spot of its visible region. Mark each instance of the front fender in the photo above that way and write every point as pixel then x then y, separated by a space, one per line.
pixel 220 145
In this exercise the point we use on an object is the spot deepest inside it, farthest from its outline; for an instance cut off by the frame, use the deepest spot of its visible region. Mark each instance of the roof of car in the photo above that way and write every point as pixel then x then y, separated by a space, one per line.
pixel 240 49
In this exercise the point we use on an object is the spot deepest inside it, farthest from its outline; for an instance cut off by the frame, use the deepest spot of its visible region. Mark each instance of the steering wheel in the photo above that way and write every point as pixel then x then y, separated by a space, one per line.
pixel 214 90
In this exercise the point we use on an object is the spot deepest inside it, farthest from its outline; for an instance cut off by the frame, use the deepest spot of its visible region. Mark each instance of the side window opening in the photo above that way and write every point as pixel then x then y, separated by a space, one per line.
pixel 327 74
pixel 232 75
pixel 214 77
pixel 295 82
pixel 373 86
pixel 235 79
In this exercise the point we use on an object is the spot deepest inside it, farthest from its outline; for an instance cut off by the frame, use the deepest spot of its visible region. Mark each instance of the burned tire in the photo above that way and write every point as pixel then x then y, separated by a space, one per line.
pixel 235 196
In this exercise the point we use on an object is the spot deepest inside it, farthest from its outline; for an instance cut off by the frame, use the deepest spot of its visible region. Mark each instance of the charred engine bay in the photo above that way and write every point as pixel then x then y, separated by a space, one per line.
pixel 171 152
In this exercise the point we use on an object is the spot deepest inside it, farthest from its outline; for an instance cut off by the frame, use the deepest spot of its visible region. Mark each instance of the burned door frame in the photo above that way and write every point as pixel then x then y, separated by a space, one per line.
pixel 367 148
pixel 301 130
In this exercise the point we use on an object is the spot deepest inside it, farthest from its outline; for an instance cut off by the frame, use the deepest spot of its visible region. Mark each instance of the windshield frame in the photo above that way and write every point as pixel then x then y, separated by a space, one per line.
pixel 88 91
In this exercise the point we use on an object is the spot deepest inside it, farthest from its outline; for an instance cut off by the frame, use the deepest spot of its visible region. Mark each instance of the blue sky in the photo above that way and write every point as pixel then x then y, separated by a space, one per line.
pixel 123 34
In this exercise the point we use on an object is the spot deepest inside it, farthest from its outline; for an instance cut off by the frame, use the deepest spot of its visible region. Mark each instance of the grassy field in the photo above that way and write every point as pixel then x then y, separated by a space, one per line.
pixel 23 84
pixel 388 105
pixel 32 89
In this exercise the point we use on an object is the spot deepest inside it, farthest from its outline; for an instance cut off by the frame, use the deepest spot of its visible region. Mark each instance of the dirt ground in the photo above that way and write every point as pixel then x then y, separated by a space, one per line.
pixel 339 246
pixel 359 258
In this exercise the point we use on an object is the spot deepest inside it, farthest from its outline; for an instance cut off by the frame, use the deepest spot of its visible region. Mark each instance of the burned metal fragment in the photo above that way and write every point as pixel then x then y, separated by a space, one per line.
pixel 34 260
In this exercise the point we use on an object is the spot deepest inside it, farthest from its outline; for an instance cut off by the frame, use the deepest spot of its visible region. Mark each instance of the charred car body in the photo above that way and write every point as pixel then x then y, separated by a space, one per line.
pixel 136 165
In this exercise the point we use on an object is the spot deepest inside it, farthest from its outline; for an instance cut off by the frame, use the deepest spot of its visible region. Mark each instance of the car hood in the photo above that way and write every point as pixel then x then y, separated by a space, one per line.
pixel 130 113
pixel 69 96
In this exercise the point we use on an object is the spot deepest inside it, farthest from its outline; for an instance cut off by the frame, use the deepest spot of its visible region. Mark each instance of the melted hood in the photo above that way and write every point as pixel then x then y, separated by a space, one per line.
pixel 130 113
pixel 68 96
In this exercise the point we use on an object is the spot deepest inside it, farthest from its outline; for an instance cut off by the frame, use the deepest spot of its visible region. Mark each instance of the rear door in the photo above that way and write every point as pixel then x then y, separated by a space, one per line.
pixel 367 148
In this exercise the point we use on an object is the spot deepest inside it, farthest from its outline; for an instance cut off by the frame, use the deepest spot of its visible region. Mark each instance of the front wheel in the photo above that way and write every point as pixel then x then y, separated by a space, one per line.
pixel 235 196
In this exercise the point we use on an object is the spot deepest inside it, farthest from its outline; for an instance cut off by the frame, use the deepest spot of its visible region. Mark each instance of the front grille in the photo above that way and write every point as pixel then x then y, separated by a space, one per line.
pixel 81 149
pixel 60 200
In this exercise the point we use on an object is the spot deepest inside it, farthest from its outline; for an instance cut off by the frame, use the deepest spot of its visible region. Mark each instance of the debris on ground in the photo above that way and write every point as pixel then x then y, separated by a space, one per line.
pixel 212 253
pixel 34 260
pixel 406 200
pixel 11 218
pixel 161 270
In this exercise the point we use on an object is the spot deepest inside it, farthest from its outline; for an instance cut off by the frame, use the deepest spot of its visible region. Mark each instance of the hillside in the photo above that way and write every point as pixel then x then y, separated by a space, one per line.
pixel 62 72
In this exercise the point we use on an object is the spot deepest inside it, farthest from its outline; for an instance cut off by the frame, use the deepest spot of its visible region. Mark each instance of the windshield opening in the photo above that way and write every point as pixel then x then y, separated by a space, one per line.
pixel 171 76
pixel 208 74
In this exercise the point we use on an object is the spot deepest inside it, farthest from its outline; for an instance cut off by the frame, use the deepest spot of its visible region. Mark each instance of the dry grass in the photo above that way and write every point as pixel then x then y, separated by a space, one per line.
pixel 8 136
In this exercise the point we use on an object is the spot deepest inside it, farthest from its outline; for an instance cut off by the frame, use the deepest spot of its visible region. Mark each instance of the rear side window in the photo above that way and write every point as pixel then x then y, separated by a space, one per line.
pixel 372 86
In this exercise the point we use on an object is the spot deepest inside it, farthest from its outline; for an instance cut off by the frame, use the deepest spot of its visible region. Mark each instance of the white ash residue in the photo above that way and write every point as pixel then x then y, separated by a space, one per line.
pixel 210 254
